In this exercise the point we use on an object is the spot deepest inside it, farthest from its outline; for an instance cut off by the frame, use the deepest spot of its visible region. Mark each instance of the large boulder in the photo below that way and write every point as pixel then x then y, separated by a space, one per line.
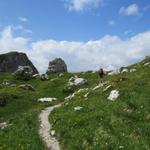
pixel 75 81
pixel 57 66
pixel 23 73
pixel 10 62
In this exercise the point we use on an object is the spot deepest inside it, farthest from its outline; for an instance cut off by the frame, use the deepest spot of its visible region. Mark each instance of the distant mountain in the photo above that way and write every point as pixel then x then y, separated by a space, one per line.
pixel 10 62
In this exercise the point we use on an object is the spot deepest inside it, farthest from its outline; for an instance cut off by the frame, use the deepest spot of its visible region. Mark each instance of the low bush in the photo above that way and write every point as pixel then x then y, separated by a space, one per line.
pixel 5 98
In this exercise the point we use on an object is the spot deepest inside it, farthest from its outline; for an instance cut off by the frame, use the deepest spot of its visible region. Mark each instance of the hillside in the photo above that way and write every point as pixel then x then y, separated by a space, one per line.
pixel 97 124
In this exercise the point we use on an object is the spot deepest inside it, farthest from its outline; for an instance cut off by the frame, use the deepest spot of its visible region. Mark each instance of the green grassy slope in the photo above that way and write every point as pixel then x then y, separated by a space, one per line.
pixel 107 125
pixel 101 124
pixel 22 111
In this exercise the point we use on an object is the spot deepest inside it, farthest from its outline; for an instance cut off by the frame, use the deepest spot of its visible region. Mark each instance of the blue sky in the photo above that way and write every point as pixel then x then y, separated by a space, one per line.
pixel 53 19
pixel 96 31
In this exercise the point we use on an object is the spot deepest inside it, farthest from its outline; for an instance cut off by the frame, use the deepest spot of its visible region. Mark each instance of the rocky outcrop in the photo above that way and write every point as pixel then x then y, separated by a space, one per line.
pixel 10 62
pixel 57 66
pixel 23 73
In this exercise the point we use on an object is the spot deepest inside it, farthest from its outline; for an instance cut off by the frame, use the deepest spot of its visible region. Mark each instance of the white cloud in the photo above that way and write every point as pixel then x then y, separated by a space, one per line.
pixel 109 52
pixel 111 22
pixel 132 9
pixel 80 5
pixel 9 43
pixel 23 19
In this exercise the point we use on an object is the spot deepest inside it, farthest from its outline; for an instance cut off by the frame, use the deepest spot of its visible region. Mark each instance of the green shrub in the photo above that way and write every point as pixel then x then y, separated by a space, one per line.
pixel 3 99
pixel 68 89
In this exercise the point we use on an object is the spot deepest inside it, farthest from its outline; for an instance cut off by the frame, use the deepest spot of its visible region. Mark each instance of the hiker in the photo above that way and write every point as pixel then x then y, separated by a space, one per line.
pixel 101 74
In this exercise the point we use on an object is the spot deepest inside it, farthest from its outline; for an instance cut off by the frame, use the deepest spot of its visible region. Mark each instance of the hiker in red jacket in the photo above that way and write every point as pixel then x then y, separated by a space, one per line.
pixel 101 74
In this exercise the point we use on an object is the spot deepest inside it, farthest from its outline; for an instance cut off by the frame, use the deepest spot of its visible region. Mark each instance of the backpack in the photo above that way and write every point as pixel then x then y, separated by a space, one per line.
pixel 101 71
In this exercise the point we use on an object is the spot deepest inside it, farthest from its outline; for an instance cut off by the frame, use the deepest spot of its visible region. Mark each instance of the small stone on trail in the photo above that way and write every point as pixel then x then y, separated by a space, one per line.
pixel 53 132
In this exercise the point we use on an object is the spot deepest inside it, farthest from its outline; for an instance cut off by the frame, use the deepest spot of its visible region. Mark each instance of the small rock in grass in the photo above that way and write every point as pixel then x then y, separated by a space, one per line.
pixel 3 125
pixel 61 74
pixel 132 70
pixel 100 85
pixel 47 99
pixel 125 70
pixel 122 79
pixel 35 76
pixel 70 96
pixel 107 88
pixel 97 87
pixel 6 83
pixel 27 87
pixel 114 72
pixel 78 108
pixel 53 132
pixel 79 81
pixel 66 104
pixel 121 147
pixel 81 90
pixel 44 77
pixel 114 94
pixel 146 64
pixel 75 93
pixel 86 95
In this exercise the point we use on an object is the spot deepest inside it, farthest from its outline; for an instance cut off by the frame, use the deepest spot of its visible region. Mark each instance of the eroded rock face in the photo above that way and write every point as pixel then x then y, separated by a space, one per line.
pixel 10 62
pixel 57 66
